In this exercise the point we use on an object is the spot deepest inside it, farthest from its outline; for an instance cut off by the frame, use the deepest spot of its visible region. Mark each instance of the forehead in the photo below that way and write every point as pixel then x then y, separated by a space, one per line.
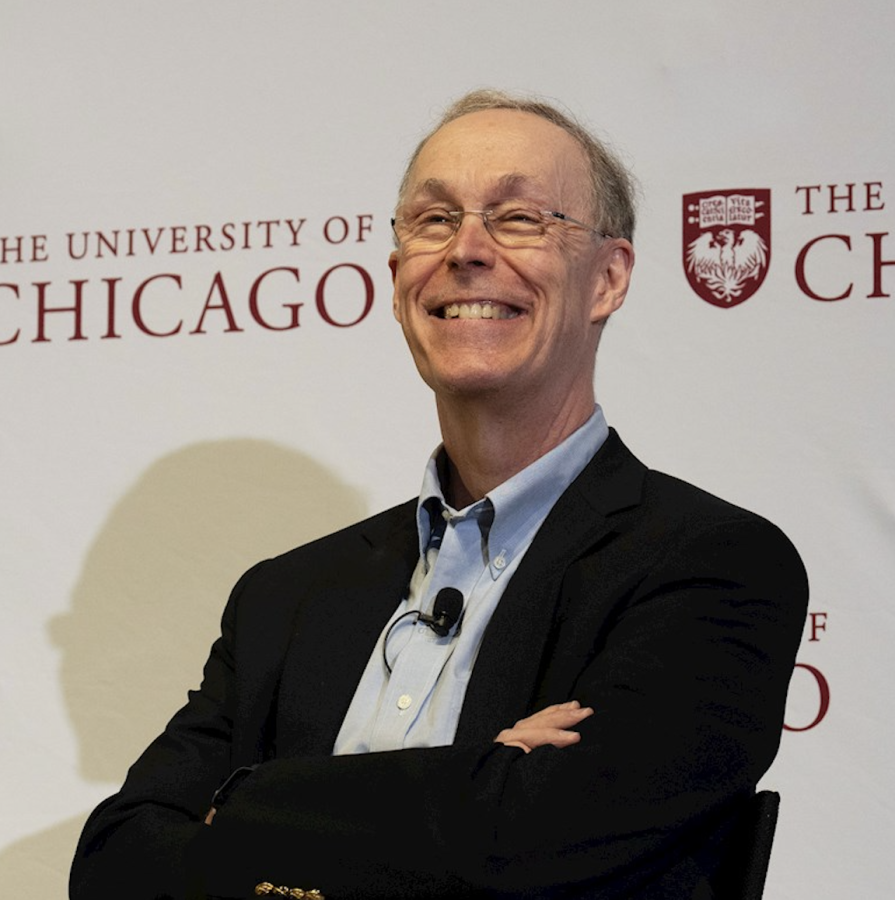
pixel 501 149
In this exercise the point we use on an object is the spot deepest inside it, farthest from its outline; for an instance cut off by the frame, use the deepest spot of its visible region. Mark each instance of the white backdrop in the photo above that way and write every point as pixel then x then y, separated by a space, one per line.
pixel 140 474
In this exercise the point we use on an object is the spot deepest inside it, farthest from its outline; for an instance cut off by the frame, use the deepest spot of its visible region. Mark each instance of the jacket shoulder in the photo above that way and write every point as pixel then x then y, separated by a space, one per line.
pixel 385 526
pixel 381 546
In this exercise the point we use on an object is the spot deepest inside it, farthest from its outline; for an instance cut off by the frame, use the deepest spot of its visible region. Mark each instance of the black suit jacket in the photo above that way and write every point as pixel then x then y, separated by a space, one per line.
pixel 674 614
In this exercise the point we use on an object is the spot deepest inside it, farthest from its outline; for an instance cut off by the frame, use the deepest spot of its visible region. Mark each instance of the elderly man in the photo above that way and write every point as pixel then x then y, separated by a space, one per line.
pixel 556 673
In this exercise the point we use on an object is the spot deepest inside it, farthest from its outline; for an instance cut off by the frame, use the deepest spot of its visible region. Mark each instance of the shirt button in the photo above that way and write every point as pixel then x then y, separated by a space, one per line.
pixel 404 701
pixel 500 561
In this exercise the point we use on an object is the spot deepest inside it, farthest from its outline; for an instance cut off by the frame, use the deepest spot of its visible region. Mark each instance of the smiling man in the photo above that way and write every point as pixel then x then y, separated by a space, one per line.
pixel 556 673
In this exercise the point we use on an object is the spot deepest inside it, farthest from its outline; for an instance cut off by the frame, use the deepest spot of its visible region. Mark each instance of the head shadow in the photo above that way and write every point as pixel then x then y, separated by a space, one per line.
pixel 147 604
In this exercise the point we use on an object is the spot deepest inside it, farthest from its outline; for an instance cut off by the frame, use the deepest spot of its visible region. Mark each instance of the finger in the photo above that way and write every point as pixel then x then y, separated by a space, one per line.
pixel 538 737
pixel 557 737
pixel 520 744
pixel 557 717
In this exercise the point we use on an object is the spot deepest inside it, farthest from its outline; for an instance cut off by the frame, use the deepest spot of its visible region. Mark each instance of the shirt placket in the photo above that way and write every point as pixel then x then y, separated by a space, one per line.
pixel 419 658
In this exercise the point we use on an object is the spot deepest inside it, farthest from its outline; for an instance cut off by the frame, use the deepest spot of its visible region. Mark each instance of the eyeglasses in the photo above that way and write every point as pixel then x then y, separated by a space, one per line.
pixel 509 225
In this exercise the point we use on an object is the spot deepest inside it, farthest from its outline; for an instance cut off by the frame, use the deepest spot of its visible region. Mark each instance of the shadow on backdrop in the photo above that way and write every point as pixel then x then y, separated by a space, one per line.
pixel 148 604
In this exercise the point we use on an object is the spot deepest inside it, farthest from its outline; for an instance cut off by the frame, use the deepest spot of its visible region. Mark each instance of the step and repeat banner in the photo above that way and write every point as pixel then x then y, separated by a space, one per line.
pixel 200 367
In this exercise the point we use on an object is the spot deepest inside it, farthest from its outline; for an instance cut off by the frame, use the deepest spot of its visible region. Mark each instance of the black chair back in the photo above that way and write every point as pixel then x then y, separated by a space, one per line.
pixel 744 870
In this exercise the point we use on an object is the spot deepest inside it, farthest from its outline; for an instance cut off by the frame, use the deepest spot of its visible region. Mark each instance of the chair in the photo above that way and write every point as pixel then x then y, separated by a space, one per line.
pixel 745 867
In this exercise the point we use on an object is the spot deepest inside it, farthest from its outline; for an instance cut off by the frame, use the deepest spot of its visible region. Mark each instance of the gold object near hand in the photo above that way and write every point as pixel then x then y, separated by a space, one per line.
pixel 265 888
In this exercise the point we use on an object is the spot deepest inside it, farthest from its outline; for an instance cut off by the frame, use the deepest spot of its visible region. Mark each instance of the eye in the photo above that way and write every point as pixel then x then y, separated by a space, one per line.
pixel 434 217
pixel 520 215
pixel 519 222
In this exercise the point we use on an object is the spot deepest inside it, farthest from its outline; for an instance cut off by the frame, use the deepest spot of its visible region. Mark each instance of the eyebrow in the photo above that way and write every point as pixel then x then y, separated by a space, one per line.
pixel 506 184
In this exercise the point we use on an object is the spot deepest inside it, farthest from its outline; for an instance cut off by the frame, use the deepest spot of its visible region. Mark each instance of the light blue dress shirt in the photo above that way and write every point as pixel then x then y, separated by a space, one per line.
pixel 475 550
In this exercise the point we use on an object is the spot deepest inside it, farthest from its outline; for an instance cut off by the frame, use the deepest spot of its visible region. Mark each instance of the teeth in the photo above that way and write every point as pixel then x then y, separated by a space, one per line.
pixel 483 310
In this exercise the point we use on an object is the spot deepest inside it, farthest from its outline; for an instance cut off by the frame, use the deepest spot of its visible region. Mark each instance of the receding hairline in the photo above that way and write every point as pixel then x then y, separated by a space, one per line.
pixel 506 180
pixel 611 185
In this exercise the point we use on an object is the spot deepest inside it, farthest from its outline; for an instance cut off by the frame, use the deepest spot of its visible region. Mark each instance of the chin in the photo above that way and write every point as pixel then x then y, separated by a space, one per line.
pixel 460 370
pixel 470 383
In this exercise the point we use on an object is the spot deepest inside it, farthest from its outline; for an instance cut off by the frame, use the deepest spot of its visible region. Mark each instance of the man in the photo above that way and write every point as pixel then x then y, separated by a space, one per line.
pixel 556 674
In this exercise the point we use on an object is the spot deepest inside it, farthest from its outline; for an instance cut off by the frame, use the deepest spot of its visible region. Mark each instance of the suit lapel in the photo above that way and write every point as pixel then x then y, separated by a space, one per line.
pixel 335 633
pixel 511 662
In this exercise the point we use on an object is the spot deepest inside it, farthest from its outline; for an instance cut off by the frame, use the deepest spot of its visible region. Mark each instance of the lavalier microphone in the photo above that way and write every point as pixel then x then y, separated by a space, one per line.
pixel 447 611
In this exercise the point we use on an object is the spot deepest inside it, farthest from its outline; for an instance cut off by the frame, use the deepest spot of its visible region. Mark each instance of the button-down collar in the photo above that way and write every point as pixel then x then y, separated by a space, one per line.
pixel 510 514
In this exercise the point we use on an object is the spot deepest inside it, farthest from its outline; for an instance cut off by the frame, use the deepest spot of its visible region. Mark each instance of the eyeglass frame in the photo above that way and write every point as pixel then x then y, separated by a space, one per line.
pixel 486 214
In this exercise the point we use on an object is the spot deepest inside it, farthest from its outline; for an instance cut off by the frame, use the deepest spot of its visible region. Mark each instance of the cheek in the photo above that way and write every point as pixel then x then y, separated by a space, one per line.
pixel 401 293
pixel 411 277
pixel 545 266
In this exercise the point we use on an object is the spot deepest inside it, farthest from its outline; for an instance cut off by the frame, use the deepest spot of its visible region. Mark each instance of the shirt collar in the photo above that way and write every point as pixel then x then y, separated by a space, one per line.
pixel 512 512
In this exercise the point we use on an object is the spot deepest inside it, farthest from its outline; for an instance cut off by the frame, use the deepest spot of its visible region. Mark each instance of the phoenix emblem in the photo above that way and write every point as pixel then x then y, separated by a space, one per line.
pixel 726 244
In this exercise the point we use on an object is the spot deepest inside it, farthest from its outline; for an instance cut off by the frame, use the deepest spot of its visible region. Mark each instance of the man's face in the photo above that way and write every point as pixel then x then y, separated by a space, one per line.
pixel 544 303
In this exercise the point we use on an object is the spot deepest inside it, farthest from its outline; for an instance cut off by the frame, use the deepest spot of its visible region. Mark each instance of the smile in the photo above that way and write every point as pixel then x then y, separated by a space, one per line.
pixel 485 309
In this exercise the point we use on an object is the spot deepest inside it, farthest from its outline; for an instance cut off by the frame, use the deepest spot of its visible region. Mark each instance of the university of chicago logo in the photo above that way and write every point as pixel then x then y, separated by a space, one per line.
pixel 727 243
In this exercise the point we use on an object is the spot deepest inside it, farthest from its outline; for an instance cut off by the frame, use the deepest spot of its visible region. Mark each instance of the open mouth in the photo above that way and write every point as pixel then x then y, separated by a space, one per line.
pixel 483 309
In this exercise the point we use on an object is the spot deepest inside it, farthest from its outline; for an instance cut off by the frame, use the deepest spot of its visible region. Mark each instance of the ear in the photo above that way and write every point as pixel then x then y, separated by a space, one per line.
pixel 613 279
pixel 393 265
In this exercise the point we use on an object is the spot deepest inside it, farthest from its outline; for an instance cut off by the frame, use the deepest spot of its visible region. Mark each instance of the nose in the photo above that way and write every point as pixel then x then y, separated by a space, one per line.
pixel 472 243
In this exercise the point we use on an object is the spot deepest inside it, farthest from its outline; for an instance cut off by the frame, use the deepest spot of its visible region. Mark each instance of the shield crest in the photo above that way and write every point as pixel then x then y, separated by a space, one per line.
pixel 727 243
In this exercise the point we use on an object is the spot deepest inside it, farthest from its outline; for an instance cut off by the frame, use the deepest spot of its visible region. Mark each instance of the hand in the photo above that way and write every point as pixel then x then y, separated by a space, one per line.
pixel 210 815
pixel 547 726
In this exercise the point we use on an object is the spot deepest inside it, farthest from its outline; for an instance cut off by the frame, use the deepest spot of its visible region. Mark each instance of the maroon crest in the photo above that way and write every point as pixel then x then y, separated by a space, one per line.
pixel 727 243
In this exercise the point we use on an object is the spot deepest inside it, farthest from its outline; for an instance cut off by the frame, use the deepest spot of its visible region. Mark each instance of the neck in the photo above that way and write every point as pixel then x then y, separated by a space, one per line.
pixel 489 442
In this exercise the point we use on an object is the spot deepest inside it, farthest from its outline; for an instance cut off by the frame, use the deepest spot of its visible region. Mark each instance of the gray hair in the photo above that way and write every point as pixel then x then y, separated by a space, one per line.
pixel 612 185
